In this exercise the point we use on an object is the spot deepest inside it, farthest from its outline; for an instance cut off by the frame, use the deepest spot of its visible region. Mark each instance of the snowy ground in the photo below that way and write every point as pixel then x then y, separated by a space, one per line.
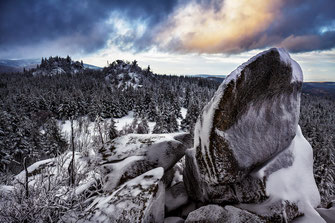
pixel 120 123
pixel 127 120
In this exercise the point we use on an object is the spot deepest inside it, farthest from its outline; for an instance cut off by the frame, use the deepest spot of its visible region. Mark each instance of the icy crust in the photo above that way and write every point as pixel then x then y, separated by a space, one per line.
pixel 138 200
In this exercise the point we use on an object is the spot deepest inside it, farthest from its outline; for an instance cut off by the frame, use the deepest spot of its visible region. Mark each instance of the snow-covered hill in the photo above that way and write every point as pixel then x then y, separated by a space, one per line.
pixel 57 65
pixel 18 65
pixel 123 75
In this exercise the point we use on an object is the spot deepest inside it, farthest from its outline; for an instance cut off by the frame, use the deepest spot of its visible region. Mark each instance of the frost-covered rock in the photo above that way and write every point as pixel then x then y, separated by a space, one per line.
pixel 248 147
pixel 218 214
pixel 131 155
pixel 138 200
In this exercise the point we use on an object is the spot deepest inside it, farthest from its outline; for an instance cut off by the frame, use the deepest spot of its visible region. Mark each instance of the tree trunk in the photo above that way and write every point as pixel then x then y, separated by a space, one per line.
pixel 73 151
pixel 26 177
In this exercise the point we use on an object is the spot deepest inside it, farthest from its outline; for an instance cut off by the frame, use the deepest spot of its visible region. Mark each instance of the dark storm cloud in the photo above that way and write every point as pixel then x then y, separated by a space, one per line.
pixel 29 23
pixel 304 25
pixel 48 27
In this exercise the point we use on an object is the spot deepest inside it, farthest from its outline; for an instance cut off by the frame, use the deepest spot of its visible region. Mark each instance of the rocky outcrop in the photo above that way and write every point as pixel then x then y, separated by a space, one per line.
pixel 248 147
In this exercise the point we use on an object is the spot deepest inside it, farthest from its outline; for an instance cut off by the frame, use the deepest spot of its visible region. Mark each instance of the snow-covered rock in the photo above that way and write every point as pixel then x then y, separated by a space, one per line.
pixel 274 210
pixel 132 155
pixel 248 147
pixel 161 149
pixel 174 220
pixel 328 214
pixel 175 197
pixel 218 214
pixel 290 176
pixel 138 200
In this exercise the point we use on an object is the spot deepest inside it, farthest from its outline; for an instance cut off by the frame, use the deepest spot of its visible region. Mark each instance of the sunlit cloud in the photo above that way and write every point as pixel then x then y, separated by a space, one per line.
pixel 229 29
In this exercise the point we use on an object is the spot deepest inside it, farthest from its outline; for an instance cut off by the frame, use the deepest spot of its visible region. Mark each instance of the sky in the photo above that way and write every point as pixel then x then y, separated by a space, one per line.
pixel 172 36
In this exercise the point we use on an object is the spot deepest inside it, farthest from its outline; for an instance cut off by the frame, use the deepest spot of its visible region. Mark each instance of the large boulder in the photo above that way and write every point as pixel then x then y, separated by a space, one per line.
pixel 248 147
pixel 175 197
pixel 131 155
pixel 328 214
pixel 217 214
pixel 138 200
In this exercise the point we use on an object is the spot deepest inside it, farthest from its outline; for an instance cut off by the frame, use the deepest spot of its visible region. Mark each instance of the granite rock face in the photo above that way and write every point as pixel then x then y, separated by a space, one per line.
pixel 247 142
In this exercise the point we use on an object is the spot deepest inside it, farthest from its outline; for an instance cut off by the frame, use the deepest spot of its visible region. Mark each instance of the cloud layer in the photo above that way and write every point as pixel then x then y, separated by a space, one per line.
pixel 183 26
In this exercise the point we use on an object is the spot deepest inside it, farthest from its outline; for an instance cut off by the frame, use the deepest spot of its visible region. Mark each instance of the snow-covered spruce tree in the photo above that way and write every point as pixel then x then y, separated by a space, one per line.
pixel 143 127
pixel 166 123
pixel 54 141
pixel 191 117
